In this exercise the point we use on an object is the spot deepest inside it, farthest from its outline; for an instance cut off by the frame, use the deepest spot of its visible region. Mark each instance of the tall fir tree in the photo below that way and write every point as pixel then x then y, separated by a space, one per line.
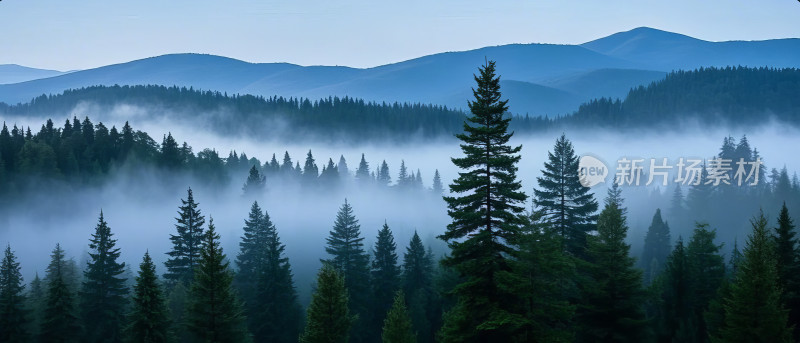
pixel 328 317
pixel 437 187
pixel 362 173
pixel 60 321
pixel 252 255
pixel 397 325
pixel 383 174
pixel 788 264
pixel 14 317
pixel 565 202
pixel 485 209
pixel 103 295
pixel 676 317
pixel 657 247
pixel 186 244
pixel 310 171
pixel 753 311
pixel 214 314
pixel 148 321
pixel 612 306
pixel 277 315
pixel 385 274
pixel 345 245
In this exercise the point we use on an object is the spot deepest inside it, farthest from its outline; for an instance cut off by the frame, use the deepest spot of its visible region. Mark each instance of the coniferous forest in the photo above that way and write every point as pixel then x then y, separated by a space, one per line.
pixel 712 262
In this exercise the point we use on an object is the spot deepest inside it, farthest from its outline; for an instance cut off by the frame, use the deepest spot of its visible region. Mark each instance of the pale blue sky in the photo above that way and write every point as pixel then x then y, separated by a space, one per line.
pixel 82 34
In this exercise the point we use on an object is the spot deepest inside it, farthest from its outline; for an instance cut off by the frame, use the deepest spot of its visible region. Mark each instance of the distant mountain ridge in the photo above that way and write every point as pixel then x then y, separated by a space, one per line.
pixel 539 79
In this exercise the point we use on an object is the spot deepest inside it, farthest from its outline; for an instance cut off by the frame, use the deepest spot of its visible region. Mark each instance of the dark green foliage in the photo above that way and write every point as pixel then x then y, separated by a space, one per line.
pixel 277 316
pixel 186 244
pixel 612 306
pixel 544 274
pixel 148 321
pixel 706 273
pixel 788 265
pixel 397 326
pixel 385 274
pixel 753 311
pixel 34 304
pixel 486 214
pixel 657 246
pixel 252 253
pixel 328 319
pixel 418 287
pixel 214 314
pixel 255 183
pixel 568 205
pixel 103 296
pixel 346 247
pixel 60 321
pixel 676 315
pixel 13 314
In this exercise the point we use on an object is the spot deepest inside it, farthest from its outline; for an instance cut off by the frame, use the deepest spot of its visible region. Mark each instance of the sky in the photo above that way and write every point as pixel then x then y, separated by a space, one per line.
pixel 70 35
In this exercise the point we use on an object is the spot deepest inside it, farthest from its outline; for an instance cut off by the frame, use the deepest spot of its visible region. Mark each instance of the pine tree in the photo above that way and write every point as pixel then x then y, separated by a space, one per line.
pixel 706 273
pixel 565 202
pixel 13 314
pixel 60 322
pixel 187 244
pixel 677 210
pixel 437 188
pixel 35 306
pixel 328 319
pixel 346 247
pixel 677 315
pixel 252 254
pixel 276 313
pixel 383 174
pixel 486 214
pixel 699 197
pixel 103 296
pixel 788 264
pixel 402 177
pixel 544 273
pixel 656 248
pixel 753 311
pixel 255 184
pixel 362 173
pixel 149 320
pixel 344 172
pixel 397 325
pixel 214 314
pixel 310 171
pixel 417 283
pixel 612 307
pixel 385 274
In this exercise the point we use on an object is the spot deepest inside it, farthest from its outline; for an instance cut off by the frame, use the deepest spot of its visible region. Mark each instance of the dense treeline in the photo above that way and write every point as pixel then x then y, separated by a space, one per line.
pixel 734 95
pixel 81 153
pixel 560 270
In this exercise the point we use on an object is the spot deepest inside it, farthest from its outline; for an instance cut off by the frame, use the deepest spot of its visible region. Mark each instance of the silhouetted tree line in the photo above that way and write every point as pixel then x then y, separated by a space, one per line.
pixel 81 152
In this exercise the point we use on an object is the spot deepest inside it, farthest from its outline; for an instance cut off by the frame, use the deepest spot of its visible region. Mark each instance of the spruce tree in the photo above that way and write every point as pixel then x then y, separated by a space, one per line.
pixel 35 300
pixel 418 288
pixel 612 306
pixel 148 321
pixel 753 311
pixel 544 274
pixel 310 171
pixel 677 315
pixel 656 248
pixel 214 313
pixel 565 202
pixel 383 174
pixel 788 264
pixel 385 274
pixel 346 247
pixel 437 188
pixel 397 325
pixel 485 208
pixel 103 296
pixel 186 244
pixel 60 321
pixel 403 177
pixel 276 313
pixel 255 184
pixel 362 173
pixel 252 254
pixel 706 273
pixel 328 319
pixel 13 314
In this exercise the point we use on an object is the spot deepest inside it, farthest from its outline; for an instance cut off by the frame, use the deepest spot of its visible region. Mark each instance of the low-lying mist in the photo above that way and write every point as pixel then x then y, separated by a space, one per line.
pixel 140 206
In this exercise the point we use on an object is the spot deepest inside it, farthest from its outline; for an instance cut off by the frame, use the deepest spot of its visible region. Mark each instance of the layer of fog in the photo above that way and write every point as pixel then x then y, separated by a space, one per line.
pixel 141 207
